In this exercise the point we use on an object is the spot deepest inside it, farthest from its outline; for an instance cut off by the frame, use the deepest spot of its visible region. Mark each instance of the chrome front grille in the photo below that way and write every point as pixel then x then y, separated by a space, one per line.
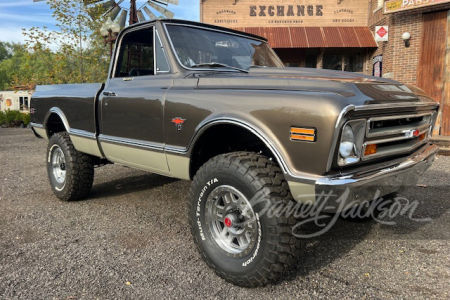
pixel 396 134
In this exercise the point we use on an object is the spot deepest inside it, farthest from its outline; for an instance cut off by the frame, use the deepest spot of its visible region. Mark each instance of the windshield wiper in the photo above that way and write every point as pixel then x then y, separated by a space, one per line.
pixel 217 65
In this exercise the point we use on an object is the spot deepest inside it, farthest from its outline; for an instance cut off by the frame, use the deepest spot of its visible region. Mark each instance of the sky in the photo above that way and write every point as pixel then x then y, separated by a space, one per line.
pixel 18 14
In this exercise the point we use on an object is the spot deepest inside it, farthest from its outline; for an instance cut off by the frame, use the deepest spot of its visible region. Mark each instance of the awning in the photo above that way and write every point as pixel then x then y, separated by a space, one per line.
pixel 315 37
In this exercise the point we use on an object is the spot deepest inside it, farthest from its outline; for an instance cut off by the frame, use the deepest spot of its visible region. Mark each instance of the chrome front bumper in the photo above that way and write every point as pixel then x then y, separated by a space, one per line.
pixel 334 194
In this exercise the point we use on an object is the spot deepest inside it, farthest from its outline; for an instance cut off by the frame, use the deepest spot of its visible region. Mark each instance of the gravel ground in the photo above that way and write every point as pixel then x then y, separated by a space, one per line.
pixel 131 240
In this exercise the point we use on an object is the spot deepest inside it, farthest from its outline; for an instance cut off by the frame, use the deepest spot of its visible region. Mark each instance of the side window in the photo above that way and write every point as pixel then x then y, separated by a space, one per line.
pixel 162 66
pixel 136 54
pixel 23 101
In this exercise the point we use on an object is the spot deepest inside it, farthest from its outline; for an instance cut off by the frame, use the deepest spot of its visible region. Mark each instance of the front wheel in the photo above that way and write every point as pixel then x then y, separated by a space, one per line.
pixel 231 224
pixel 70 172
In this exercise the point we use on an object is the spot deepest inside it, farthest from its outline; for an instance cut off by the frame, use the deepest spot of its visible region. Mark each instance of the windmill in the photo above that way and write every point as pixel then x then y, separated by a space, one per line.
pixel 120 11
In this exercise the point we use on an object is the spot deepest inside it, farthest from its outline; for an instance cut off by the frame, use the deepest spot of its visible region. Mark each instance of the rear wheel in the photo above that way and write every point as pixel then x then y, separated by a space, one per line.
pixel 235 234
pixel 70 172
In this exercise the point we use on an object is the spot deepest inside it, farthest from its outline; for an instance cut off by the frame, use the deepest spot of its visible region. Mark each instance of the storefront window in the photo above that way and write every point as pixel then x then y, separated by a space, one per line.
pixel 353 63
pixel 347 59
pixel 332 61
pixel 311 58
pixel 293 64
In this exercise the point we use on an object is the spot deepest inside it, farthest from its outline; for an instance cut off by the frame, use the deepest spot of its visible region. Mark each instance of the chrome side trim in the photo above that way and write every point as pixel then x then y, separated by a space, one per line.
pixel 131 142
pixel 175 149
pixel 82 133
pixel 37 125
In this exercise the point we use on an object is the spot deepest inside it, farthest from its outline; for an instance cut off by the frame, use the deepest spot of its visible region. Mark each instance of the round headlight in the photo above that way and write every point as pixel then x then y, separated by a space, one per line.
pixel 347 142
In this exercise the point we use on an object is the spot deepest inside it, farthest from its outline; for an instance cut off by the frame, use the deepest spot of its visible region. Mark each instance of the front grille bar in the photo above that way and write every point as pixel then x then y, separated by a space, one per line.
pixel 396 138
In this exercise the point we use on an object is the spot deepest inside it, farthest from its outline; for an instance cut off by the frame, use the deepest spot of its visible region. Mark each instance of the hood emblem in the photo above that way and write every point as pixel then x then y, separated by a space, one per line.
pixel 178 122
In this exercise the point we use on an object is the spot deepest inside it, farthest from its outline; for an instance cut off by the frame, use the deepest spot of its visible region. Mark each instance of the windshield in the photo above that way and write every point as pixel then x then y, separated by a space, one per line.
pixel 196 47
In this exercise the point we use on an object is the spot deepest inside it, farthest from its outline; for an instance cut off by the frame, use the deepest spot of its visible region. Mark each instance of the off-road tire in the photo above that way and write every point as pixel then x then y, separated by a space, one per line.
pixel 79 169
pixel 278 249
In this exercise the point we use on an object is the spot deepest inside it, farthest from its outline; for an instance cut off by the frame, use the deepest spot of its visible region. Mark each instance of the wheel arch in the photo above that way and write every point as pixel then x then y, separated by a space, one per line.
pixel 225 136
pixel 55 121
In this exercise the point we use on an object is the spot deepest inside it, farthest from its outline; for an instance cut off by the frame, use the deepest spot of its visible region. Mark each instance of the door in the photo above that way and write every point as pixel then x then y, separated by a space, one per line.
pixel 132 103
pixel 430 72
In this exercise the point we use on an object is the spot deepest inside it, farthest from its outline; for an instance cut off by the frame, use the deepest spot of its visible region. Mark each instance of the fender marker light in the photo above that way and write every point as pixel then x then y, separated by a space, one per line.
pixel 303 134
pixel 370 149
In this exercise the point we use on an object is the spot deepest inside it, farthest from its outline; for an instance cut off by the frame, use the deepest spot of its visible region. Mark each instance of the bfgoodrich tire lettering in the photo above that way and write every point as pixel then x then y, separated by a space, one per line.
pixel 273 248
pixel 71 173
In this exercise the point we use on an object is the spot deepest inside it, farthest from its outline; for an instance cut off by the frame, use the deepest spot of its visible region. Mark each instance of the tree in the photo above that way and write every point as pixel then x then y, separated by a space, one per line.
pixel 80 56
pixel 5 50
pixel 25 67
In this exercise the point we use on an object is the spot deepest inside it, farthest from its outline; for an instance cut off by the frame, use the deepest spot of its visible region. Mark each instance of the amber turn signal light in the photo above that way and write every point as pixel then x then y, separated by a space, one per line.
pixel 422 136
pixel 370 149
pixel 303 134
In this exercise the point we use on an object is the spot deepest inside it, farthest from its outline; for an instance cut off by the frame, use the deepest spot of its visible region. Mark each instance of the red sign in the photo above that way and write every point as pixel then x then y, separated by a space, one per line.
pixel 382 32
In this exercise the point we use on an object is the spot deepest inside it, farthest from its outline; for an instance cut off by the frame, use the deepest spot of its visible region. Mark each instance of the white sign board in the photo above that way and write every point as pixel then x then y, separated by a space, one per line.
pixel 381 33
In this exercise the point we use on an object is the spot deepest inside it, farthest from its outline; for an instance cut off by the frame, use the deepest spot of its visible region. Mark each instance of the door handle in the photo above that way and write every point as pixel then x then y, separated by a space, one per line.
pixel 111 94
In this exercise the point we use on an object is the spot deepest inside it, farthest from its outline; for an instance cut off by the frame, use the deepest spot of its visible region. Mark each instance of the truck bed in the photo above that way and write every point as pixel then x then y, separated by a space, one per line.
pixel 76 101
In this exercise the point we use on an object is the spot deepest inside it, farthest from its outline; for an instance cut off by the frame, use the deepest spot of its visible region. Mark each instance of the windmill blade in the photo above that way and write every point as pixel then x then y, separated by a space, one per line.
pixel 87 2
pixel 140 16
pixel 169 1
pixel 113 15
pixel 101 7
pixel 149 13
pixel 162 10
pixel 39 0
pixel 123 18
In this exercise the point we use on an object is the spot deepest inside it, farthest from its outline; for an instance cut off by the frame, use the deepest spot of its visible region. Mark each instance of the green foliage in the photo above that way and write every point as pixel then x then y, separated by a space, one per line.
pixel 73 54
pixel 26 118
pixel 5 50
pixel 12 115
pixel 9 116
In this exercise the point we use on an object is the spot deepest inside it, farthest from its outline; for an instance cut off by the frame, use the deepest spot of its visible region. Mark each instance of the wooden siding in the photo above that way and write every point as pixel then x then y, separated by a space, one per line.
pixel 284 13
pixel 430 71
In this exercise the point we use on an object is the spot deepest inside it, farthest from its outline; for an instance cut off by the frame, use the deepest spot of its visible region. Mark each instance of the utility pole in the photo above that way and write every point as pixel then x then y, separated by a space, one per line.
pixel 133 12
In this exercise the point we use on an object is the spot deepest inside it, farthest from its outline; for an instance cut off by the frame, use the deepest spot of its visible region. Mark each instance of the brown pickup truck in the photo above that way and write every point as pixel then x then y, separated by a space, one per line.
pixel 216 106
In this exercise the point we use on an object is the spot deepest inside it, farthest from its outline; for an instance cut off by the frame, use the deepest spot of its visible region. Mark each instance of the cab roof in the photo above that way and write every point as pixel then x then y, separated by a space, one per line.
pixel 199 24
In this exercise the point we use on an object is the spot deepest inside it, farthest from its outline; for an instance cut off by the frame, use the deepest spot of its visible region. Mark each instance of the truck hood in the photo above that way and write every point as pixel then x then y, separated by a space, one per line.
pixel 345 84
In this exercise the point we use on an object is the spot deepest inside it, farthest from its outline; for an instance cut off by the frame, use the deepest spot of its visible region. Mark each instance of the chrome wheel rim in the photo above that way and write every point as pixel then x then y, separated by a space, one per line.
pixel 231 221
pixel 59 165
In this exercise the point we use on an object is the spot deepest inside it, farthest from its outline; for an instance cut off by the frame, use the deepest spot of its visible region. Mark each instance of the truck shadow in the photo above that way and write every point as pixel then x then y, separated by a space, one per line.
pixel 127 185
pixel 426 222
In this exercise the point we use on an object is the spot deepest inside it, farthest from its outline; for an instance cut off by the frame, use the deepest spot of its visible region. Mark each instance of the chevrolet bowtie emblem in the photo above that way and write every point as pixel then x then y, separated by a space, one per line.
pixel 178 122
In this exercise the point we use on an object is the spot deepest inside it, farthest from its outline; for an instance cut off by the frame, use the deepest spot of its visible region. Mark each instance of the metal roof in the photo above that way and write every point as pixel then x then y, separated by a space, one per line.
pixel 315 37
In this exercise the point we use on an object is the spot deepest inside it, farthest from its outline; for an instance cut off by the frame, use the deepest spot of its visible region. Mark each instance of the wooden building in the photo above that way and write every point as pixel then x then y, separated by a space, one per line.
pixel 329 34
